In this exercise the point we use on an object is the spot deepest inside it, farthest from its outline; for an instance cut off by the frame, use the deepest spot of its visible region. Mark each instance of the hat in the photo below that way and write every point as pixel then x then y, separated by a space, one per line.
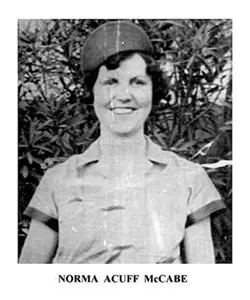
pixel 111 38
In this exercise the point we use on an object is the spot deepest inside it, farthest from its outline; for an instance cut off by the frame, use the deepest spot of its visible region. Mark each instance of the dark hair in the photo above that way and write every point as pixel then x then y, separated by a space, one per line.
pixel 159 80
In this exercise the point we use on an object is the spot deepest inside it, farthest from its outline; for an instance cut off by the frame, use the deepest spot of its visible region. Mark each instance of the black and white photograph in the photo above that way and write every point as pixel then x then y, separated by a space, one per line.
pixel 125 141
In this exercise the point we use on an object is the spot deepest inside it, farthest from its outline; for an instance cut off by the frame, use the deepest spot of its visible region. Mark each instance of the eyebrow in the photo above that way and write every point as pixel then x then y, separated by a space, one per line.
pixel 109 76
pixel 140 77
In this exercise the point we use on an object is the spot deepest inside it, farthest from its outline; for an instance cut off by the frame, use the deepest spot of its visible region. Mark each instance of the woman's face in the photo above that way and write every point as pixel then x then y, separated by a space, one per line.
pixel 123 97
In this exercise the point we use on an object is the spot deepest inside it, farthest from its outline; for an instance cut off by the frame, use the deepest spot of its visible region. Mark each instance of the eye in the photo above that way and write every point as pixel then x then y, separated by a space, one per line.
pixel 138 82
pixel 110 81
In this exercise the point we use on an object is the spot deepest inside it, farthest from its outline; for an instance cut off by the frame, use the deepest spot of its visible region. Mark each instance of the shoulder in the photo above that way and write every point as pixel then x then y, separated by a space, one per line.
pixel 174 162
pixel 181 164
pixel 184 164
pixel 183 170
pixel 70 165
pixel 62 169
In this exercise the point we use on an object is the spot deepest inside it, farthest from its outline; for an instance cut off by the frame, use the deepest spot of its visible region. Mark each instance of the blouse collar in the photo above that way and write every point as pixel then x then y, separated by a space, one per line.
pixel 154 153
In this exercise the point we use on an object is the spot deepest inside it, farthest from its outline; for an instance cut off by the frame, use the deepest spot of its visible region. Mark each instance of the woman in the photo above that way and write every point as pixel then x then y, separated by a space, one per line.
pixel 124 200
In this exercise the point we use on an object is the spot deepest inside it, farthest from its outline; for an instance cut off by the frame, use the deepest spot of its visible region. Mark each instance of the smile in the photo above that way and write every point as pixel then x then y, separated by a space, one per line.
pixel 123 111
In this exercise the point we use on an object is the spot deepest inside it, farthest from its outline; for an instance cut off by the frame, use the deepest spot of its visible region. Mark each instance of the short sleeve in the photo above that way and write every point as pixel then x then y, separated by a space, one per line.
pixel 42 206
pixel 204 198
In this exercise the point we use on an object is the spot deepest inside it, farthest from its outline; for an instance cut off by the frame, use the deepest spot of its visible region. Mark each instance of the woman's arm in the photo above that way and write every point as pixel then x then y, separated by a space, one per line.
pixel 40 244
pixel 199 244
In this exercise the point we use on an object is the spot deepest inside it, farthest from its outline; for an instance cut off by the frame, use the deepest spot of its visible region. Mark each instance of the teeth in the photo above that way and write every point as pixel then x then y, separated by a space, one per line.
pixel 122 111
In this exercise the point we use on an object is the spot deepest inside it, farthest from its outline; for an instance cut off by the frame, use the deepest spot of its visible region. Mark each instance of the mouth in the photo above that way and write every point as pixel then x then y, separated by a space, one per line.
pixel 123 110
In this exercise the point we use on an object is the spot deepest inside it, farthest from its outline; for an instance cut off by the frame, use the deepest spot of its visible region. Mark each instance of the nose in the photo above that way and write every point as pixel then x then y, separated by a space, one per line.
pixel 123 93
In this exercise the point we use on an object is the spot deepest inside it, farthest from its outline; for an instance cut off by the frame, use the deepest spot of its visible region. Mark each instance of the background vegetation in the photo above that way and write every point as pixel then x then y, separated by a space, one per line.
pixel 194 119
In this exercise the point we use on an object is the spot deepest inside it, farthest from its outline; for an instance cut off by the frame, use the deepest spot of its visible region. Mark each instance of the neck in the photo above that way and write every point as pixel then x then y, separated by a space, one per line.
pixel 122 150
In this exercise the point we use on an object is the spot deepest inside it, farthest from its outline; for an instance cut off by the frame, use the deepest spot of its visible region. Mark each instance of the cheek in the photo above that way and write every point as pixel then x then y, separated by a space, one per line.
pixel 97 95
pixel 101 101
pixel 102 96
pixel 145 98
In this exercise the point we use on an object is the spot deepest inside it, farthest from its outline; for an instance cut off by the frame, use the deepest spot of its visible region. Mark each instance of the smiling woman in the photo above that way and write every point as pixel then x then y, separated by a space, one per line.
pixel 124 200
pixel 123 97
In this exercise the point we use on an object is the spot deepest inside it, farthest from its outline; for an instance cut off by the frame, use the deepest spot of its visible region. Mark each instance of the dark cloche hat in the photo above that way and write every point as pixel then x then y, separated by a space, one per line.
pixel 111 38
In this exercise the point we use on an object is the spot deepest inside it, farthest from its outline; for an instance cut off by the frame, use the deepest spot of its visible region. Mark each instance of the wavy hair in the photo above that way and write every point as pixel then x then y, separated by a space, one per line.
pixel 153 70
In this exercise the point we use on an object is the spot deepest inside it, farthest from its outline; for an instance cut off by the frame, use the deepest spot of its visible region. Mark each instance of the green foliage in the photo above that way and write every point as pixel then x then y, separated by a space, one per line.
pixel 194 119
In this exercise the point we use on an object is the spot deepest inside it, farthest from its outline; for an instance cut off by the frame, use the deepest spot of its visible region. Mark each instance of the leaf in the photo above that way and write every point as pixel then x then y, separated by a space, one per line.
pixel 45 124
pixel 75 120
pixel 204 150
pixel 29 156
pixel 173 134
pixel 37 160
pixel 48 135
pixel 160 140
pixel 93 129
pixel 22 146
pixel 186 145
pixel 66 141
pixel 157 40
pixel 24 171
pixel 190 61
pixel 227 126
pixel 52 140
pixel 162 24
pixel 178 143
pixel 220 164
pixel 43 148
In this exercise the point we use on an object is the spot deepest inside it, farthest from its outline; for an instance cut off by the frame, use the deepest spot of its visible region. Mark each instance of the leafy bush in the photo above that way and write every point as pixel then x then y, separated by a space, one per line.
pixel 194 119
